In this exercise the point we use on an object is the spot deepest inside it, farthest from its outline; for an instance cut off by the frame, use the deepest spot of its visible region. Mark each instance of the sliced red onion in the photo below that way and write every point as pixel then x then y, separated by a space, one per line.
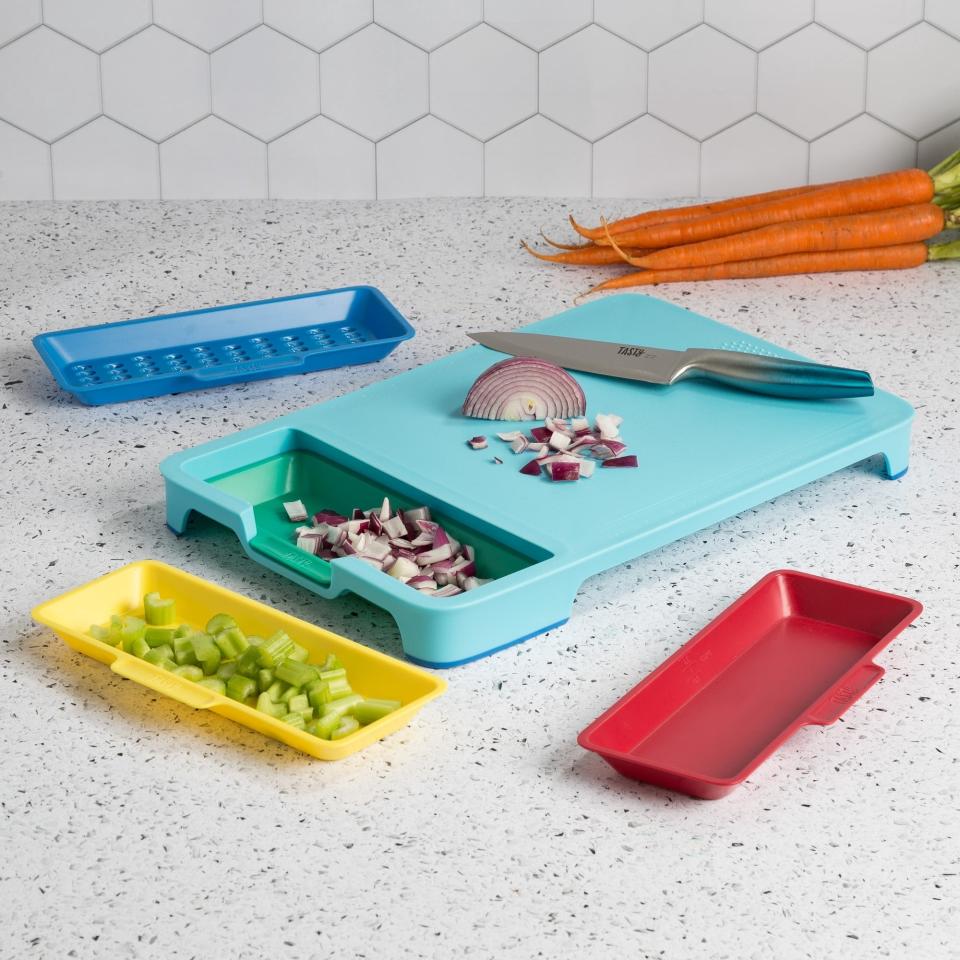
pixel 564 471
pixel 607 425
pixel 415 515
pixel 422 583
pixel 478 443
pixel 394 527
pixel 309 544
pixel 296 511
pixel 432 556
pixel 524 388
pixel 450 590
pixel 628 461
pixel 401 567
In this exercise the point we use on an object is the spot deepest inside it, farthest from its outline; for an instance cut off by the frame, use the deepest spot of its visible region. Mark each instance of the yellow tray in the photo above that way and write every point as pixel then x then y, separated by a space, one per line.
pixel 371 674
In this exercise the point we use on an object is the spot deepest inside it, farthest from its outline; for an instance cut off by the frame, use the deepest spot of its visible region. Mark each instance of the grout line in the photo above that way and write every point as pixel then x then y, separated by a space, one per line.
pixel 53 190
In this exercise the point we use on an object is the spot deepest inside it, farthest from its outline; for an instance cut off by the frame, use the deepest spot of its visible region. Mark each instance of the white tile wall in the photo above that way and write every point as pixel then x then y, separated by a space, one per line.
pixel 402 98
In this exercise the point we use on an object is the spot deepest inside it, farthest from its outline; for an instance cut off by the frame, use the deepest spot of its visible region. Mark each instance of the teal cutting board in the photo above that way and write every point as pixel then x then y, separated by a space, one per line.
pixel 705 452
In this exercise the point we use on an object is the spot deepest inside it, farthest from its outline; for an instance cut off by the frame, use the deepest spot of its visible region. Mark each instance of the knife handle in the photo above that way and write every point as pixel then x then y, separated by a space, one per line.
pixel 775 376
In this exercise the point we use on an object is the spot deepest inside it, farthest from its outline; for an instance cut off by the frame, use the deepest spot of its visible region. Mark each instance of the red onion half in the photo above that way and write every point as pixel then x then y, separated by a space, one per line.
pixel 524 388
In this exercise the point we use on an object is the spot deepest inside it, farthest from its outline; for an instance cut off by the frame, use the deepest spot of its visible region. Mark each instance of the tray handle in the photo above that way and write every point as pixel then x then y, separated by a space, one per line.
pixel 299 561
pixel 835 704
pixel 246 366
pixel 158 679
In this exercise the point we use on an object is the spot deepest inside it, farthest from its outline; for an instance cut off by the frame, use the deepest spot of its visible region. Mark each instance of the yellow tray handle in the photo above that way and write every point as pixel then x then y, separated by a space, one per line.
pixel 177 688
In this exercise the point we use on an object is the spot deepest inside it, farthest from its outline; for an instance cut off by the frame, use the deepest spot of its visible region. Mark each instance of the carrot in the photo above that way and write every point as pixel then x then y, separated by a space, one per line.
pixel 882 228
pixel 858 196
pixel 670 214
pixel 567 246
pixel 587 256
pixel 898 257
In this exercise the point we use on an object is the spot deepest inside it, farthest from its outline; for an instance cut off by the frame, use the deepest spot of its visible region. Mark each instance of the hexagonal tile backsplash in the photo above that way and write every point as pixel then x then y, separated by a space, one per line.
pixel 101 99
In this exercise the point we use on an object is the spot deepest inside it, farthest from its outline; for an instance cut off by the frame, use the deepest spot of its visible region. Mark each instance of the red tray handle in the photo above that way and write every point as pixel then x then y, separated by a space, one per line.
pixel 836 702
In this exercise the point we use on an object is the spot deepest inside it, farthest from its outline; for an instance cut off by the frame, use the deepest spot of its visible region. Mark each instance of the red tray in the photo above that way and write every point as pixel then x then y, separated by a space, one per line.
pixel 795 649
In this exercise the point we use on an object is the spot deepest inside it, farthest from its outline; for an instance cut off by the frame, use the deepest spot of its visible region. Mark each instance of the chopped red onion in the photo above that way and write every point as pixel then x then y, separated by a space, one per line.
pixel 559 441
pixel 450 590
pixel 519 444
pixel 437 553
pixel 330 517
pixel 296 511
pixel 541 434
pixel 496 460
pixel 607 424
pixel 394 527
pixel 586 468
pixel 564 471
pixel 477 443
pixel 531 468
pixel 402 567
pixel 510 435
pixel 628 461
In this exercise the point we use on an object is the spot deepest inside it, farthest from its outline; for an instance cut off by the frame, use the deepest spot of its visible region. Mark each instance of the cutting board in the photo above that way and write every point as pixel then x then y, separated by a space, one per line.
pixel 705 452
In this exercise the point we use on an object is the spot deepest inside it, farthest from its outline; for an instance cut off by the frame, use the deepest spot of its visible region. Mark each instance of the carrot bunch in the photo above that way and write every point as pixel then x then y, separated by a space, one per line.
pixel 880 222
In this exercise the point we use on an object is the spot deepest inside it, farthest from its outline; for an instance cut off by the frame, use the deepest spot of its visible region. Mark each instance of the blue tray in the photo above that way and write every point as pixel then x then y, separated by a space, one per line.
pixel 196 349
pixel 706 453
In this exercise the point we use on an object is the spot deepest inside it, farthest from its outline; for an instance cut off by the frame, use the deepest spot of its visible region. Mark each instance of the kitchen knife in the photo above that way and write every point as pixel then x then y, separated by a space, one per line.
pixel 775 376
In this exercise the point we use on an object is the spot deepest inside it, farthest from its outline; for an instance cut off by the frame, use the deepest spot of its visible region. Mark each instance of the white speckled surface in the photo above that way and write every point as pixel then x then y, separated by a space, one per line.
pixel 132 826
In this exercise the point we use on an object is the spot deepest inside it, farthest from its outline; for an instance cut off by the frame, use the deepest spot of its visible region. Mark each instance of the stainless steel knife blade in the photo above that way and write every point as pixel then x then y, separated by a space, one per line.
pixel 631 362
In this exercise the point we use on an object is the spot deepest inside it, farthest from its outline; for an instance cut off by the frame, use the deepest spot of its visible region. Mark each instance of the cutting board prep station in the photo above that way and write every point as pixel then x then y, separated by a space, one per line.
pixel 706 452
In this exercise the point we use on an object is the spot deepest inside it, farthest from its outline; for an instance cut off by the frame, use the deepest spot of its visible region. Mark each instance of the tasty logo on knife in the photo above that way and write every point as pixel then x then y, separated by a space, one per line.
pixel 631 351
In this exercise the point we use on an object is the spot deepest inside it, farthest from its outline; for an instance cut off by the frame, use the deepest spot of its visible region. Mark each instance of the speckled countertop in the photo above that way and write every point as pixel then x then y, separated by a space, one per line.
pixel 131 826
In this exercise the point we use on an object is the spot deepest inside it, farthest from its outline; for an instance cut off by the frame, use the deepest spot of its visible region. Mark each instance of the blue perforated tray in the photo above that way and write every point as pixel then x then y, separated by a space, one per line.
pixel 133 359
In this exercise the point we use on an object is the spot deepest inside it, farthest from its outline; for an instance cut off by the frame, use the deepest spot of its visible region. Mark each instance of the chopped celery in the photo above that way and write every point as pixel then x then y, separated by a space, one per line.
pixel 131 628
pixel 288 694
pixel 240 687
pixel 249 662
pixel 103 633
pixel 264 679
pixel 159 611
pixel 231 642
pixel 295 673
pixel 156 654
pixel 220 621
pixel 267 706
pixel 318 693
pixel 299 653
pixel 226 670
pixel 370 710
pixel 342 707
pixel 184 630
pixel 183 650
pixel 307 716
pixel 277 648
pixel 298 703
pixel 338 687
pixel 277 690
pixel 325 726
pixel 157 636
pixel 294 719
pixel 190 672
pixel 206 652
pixel 346 726
pixel 336 674
pixel 140 648
pixel 331 663
pixel 213 683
